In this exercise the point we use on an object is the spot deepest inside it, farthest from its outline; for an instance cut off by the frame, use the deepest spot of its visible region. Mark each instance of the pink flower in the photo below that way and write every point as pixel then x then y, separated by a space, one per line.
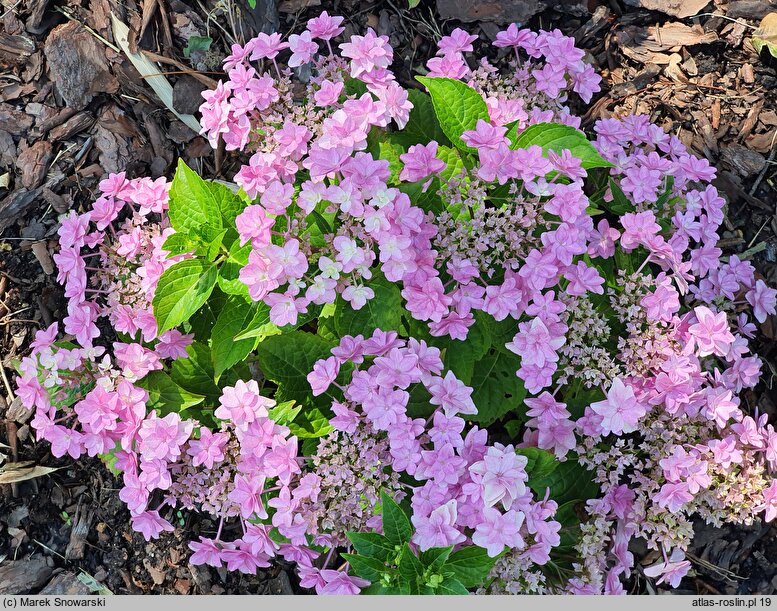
pixel 367 53
pixel 485 135
pixel 498 530
pixel 80 322
pixel 673 496
pixel 206 551
pixel 770 502
pixel 254 225
pixel 325 27
pixel 420 162
pixel 452 395
pixel 583 279
pixel 535 344
pixel 340 583
pixel 328 94
pixel 711 333
pixel 162 438
pixel 458 41
pixel 602 241
pixel 266 46
pixel 513 37
pixel 284 309
pixel 247 495
pixel 438 529
pixel 620 410
pixel 638 228
pixel 501 474
pixel 172 344
pixel 150 524
pixel 208 449
pixel 135 360
pixel 323 374
pixel 763 299
pixel 242 403
pixel 302 49
pixel 672 570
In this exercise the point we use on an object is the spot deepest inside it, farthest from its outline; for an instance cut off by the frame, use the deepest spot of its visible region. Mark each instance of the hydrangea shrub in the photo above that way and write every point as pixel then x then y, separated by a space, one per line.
pixel 435 340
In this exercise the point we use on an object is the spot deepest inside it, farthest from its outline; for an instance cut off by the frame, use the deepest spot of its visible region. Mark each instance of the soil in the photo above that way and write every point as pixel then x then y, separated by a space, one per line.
pixel 61 129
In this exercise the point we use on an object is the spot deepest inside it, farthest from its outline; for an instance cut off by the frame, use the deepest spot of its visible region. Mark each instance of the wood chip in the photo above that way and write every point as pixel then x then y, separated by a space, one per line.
pixel 23 576
pixel 74 125
pixel 15 49
pixel 676 8
pixel 33 163
pixel 78 65
pixel 746 72
pixel 742 160
pixel 752 118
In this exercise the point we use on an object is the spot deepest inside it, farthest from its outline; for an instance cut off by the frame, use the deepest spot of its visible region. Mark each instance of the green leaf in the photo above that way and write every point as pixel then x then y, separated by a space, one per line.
pixel 165 395
pixel 225 350
pixel 178 244
pixel 470 565
pixel 372 544
pixel 366 567
pixel 454 165
pixel 434 559
pixel 197 44
pixel 182 290
pixel 287 359
pixel 410 567
pixel 391 152
pixel 569 481
pixel 229 270
pixel 284 413
pixel 203 321
pixel 620 204
pixel 310 423
pixel 383 311
pixel 195 202
pixel 195 373
pixel 451 587
pixel 422 126
pixel 540 463
pixel 558 137
pixel 496 390
pixel 457 106
pixel 396 524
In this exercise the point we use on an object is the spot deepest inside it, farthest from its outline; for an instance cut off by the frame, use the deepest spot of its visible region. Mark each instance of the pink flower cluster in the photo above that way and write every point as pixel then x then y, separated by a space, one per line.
pixel 467 490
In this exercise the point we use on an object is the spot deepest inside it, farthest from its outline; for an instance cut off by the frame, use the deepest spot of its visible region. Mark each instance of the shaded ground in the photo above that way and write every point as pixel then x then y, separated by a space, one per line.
pixel 62 126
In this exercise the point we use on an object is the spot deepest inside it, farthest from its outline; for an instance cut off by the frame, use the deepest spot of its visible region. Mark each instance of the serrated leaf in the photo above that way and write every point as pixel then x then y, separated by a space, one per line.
pixel 457 106
pixel 287 359
pixel 165 395
pixel 225 350
pixel 178 244
pixel 310 423
pixel 203 321
pixel 366 567
pixel 284 413
pixel 434 559
pixel 454 166
pixel 384 311
pixel 540 463
pixel 451 587
pixel 410 568
pixel 182 290
pixel 195 373
pixel 496 390
pixel 569 481
pixel 372 544
pixel 396 524
pixel 389 151
pixel 259 326
pixel 422 125
pixel 558 137
pixel 470 565
pixel 195 202
pixel 197 44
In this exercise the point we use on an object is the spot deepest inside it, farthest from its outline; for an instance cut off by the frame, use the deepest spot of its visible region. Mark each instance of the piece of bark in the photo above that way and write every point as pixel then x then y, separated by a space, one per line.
pixel 750 120
pixel 675 8
pixel 15 49
pixel 24 576
pixel 750 9
pixel 82 524
pixel 742 160
pixel 66 584
pixel 37 11
pixel 78 65
pixel 74 125
pixel 33 163
pixel 187 95
pixel 17 412
pixel 14 121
